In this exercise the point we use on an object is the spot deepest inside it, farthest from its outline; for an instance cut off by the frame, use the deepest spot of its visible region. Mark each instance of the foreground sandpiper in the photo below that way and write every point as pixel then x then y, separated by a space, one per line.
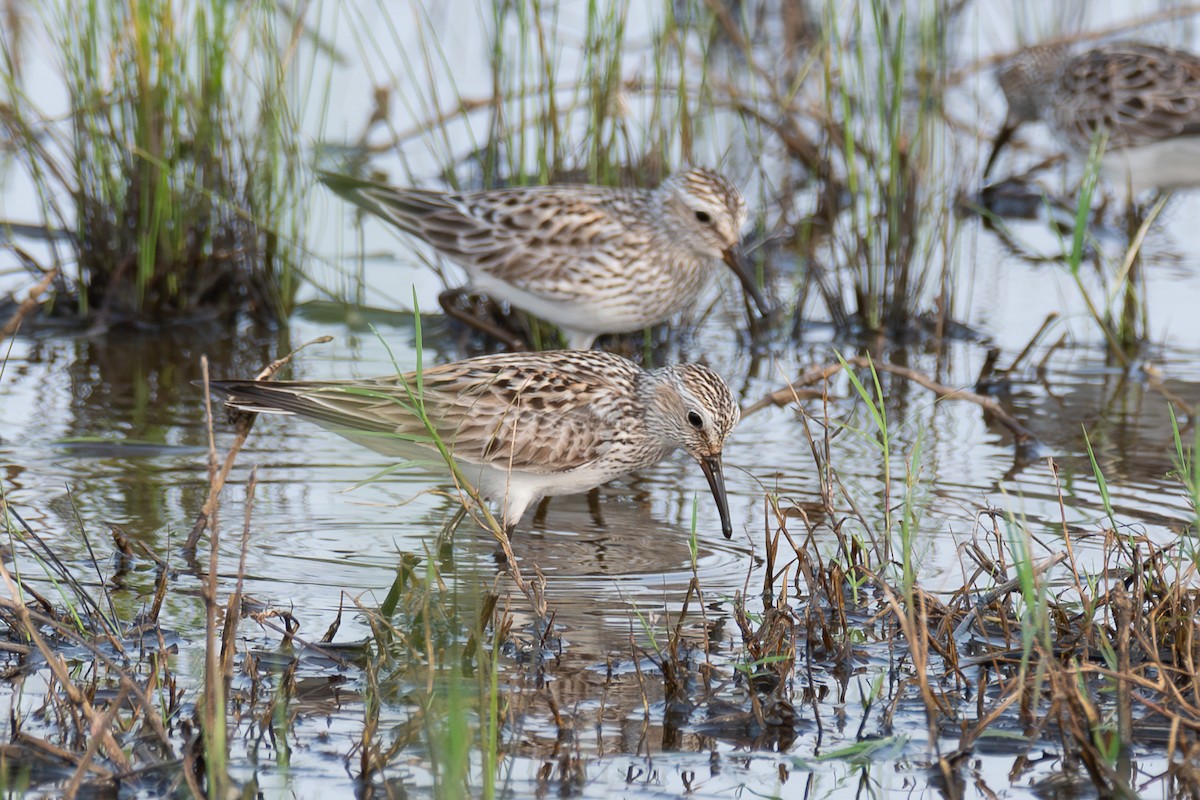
pixel 1144 98
pixel 589 259
pixel 522 426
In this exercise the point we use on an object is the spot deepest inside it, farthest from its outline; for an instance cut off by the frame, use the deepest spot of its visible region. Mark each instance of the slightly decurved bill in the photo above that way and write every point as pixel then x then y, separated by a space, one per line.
pixel 716 482
pixel 736 259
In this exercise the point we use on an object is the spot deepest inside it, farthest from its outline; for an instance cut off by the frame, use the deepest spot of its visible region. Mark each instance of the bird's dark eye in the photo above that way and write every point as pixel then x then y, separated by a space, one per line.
pixel 703 217
pixel 695 420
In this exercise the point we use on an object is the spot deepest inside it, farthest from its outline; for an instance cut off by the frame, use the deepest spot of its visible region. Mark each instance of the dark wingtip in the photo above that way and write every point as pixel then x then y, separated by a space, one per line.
pixel 343 185
pixel 228 387
pixel 217 387
pixel 370 196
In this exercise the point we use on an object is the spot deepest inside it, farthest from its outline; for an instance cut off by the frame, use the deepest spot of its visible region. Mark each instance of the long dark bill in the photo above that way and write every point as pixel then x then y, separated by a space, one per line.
pixel 1002 138
pixel 716 482
pixel 736 259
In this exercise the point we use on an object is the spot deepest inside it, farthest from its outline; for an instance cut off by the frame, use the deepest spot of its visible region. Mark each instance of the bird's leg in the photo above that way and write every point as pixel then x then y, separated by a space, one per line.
pixel 449 302
pixel 539 513
pixel 500 553
pixel 758 326
pixel 593 501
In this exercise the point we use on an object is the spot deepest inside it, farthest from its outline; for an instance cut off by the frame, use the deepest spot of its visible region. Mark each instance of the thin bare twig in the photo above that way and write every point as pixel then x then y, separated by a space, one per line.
pixel 793 391
pixel 790 393
pixel 244 423
pixel 1022 434
pixel 28 305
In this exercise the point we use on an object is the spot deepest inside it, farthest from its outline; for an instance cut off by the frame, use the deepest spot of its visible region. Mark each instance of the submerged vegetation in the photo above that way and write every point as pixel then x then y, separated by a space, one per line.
pixel 179 173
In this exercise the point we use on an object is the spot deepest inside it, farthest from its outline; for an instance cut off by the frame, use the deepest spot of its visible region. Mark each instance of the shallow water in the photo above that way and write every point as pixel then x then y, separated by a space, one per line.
pixel 100 431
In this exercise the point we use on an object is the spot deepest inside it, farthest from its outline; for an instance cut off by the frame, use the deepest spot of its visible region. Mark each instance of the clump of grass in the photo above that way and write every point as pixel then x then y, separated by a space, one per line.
pixel 106 677
pixel 1043 650
pixel 436 657
pixel 1055 653
pixel 1120 313
pixel 1187 468
pixel 626 114
pixel 898 224
pixel 178 168
pixel 595 103
pixel 859 110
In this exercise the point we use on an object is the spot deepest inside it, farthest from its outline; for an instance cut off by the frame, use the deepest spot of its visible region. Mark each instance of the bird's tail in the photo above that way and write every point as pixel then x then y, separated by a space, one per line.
pixel 403 207
pixel 377 416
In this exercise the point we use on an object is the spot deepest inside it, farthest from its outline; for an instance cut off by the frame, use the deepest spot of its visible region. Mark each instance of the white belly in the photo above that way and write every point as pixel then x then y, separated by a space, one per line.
pixel 496 483
pixel 514 492
pixel 1170 164
pixel 618 306
pixel 597 316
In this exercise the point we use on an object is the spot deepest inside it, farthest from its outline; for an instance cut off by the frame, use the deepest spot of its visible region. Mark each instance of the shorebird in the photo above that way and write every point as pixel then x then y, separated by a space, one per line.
pixel 589 259
pixel 522 426
pixel 1143 98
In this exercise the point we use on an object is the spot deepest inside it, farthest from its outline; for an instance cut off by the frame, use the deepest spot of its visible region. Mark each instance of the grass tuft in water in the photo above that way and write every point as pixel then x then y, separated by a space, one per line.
pixel 898 225
pixel 1118 308
pixel 179 167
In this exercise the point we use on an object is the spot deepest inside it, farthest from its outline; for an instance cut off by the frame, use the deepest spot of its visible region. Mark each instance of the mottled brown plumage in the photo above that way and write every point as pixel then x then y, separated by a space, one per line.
pixel 524 425
pixel 1144 99
pixel 589 259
